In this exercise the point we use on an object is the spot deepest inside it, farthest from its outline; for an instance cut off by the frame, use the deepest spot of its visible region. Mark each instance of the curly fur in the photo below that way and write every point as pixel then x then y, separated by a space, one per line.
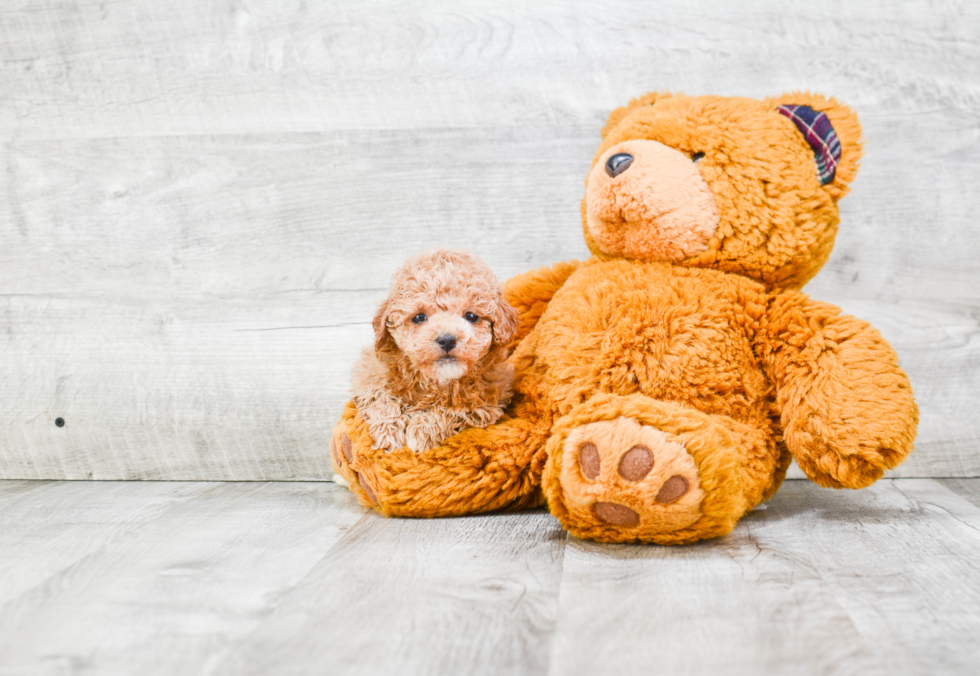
pixel 409 388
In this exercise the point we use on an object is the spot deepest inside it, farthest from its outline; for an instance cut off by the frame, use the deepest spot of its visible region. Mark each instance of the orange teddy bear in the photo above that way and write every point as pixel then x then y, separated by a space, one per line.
pixel 664 385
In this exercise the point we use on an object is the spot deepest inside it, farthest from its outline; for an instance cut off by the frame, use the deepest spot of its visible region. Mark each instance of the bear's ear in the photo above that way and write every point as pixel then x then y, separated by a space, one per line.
pixel 616 116
pixel 832 131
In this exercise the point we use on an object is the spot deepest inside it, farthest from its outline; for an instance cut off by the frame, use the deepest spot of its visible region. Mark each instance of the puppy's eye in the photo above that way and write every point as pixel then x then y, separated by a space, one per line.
pixel 696 157
pixel 419 318
pixel 471 318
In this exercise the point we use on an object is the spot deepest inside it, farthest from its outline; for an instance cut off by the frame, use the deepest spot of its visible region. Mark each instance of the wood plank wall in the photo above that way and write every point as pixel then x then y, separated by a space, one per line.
pixel 201 202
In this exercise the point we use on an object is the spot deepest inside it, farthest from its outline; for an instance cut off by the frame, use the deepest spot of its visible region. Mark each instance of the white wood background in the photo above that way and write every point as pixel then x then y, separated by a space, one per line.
pixel 201 202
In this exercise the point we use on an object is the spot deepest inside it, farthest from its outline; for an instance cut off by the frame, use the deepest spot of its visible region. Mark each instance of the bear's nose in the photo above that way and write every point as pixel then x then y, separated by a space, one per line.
pixel 446 342
pixel 618 163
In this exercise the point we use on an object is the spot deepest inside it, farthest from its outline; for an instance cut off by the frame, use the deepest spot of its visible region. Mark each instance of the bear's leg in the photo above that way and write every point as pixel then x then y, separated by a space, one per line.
pixel 634 469
pixel 477 470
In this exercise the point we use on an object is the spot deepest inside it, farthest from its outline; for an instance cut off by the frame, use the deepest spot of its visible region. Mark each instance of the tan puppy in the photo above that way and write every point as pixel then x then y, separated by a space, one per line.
pixel 439 362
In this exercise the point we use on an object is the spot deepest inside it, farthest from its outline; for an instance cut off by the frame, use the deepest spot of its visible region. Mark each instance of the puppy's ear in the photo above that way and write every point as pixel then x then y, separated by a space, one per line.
pixel 382 337
pixel 504 321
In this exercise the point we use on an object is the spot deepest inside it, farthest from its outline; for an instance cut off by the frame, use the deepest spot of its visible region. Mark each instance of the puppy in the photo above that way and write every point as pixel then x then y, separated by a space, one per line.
pixel 439 362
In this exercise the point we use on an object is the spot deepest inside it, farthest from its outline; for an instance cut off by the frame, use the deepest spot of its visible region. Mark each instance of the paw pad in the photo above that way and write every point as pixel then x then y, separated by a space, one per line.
pixel 636 463
pixel 367 489
pixel 616 515
pixel 347 447
pixel 588 458
pixel 627 475
pixel 673 488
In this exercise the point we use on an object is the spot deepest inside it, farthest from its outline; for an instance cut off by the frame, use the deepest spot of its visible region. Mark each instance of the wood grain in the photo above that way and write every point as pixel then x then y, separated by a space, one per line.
pixel 201 203
pixel 50 528
pixel 968 489
pixel 12 490
pixel 739 605
pixel 173 596
pixel 901 535
pixel 442 596
pixel 139 67
pixel 296 578
pixel 215 338
pixel 877 581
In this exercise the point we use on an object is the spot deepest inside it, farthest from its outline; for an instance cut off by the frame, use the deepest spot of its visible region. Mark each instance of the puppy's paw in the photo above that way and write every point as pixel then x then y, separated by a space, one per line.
pixel 419 439
pixel 419 443
pixel 428 429
pixel 483 416
pixel 388 435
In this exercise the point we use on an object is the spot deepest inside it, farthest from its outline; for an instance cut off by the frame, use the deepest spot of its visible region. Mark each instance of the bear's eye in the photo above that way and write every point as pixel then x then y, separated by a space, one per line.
pixel 696 157
pixel 419 318
pixel 470 317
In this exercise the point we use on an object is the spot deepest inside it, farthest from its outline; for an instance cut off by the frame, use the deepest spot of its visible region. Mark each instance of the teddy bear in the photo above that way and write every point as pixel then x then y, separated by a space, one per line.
pixel 664 385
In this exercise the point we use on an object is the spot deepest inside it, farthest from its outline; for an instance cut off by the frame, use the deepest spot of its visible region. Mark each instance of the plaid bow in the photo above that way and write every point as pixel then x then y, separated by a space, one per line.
pixel 818 132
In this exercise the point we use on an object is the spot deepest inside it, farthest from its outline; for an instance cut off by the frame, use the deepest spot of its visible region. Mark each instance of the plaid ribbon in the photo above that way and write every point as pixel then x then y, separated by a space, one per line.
pixel 818 132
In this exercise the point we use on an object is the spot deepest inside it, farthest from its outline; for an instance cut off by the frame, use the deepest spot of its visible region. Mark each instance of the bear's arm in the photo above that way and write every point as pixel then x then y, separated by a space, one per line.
pixel 846 406
pixel 530 293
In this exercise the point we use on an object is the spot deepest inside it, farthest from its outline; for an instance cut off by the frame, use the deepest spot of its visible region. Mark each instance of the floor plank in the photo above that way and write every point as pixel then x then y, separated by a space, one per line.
pixel 968 489
pixel 444 596
pixel 294 578
pixel 739 605
pixel 173 596
pixel 12 490
pixel 49 528
pixel 900 556
pixel 821 582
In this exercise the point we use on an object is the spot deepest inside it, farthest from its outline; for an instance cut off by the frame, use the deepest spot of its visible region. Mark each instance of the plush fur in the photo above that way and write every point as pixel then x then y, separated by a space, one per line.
pixel 413 390
pixel 664 385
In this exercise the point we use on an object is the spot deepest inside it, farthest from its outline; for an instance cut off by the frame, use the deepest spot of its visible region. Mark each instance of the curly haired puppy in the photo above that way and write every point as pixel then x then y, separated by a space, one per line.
pixel 439 362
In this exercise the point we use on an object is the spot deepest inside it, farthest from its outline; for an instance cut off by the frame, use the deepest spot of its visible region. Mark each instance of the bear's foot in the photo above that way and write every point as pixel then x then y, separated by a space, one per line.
pixel 629 476
pixel 634 469
pixel 342 455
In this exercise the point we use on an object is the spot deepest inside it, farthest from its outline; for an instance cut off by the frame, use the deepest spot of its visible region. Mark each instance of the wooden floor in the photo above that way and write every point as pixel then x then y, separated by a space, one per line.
pixel 296 578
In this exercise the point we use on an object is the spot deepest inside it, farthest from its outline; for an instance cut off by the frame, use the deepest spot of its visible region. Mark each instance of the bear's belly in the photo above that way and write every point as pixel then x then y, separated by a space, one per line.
pixel 675 334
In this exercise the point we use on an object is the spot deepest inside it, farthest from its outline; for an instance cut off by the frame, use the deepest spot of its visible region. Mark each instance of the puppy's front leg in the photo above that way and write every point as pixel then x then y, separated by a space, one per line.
pixel 427 429
pixel 482 416
pixel 385 422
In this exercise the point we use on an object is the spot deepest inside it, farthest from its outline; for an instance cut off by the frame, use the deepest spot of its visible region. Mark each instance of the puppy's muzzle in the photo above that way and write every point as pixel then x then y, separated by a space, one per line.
pixel 446 342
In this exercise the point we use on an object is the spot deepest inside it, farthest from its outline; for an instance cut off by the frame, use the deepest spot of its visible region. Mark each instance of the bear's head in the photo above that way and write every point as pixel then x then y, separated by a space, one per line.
pixel 735 184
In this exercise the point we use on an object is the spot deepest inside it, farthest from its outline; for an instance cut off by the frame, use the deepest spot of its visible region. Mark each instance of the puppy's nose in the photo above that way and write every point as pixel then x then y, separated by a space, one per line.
pixel 446 342
pixel 618 163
